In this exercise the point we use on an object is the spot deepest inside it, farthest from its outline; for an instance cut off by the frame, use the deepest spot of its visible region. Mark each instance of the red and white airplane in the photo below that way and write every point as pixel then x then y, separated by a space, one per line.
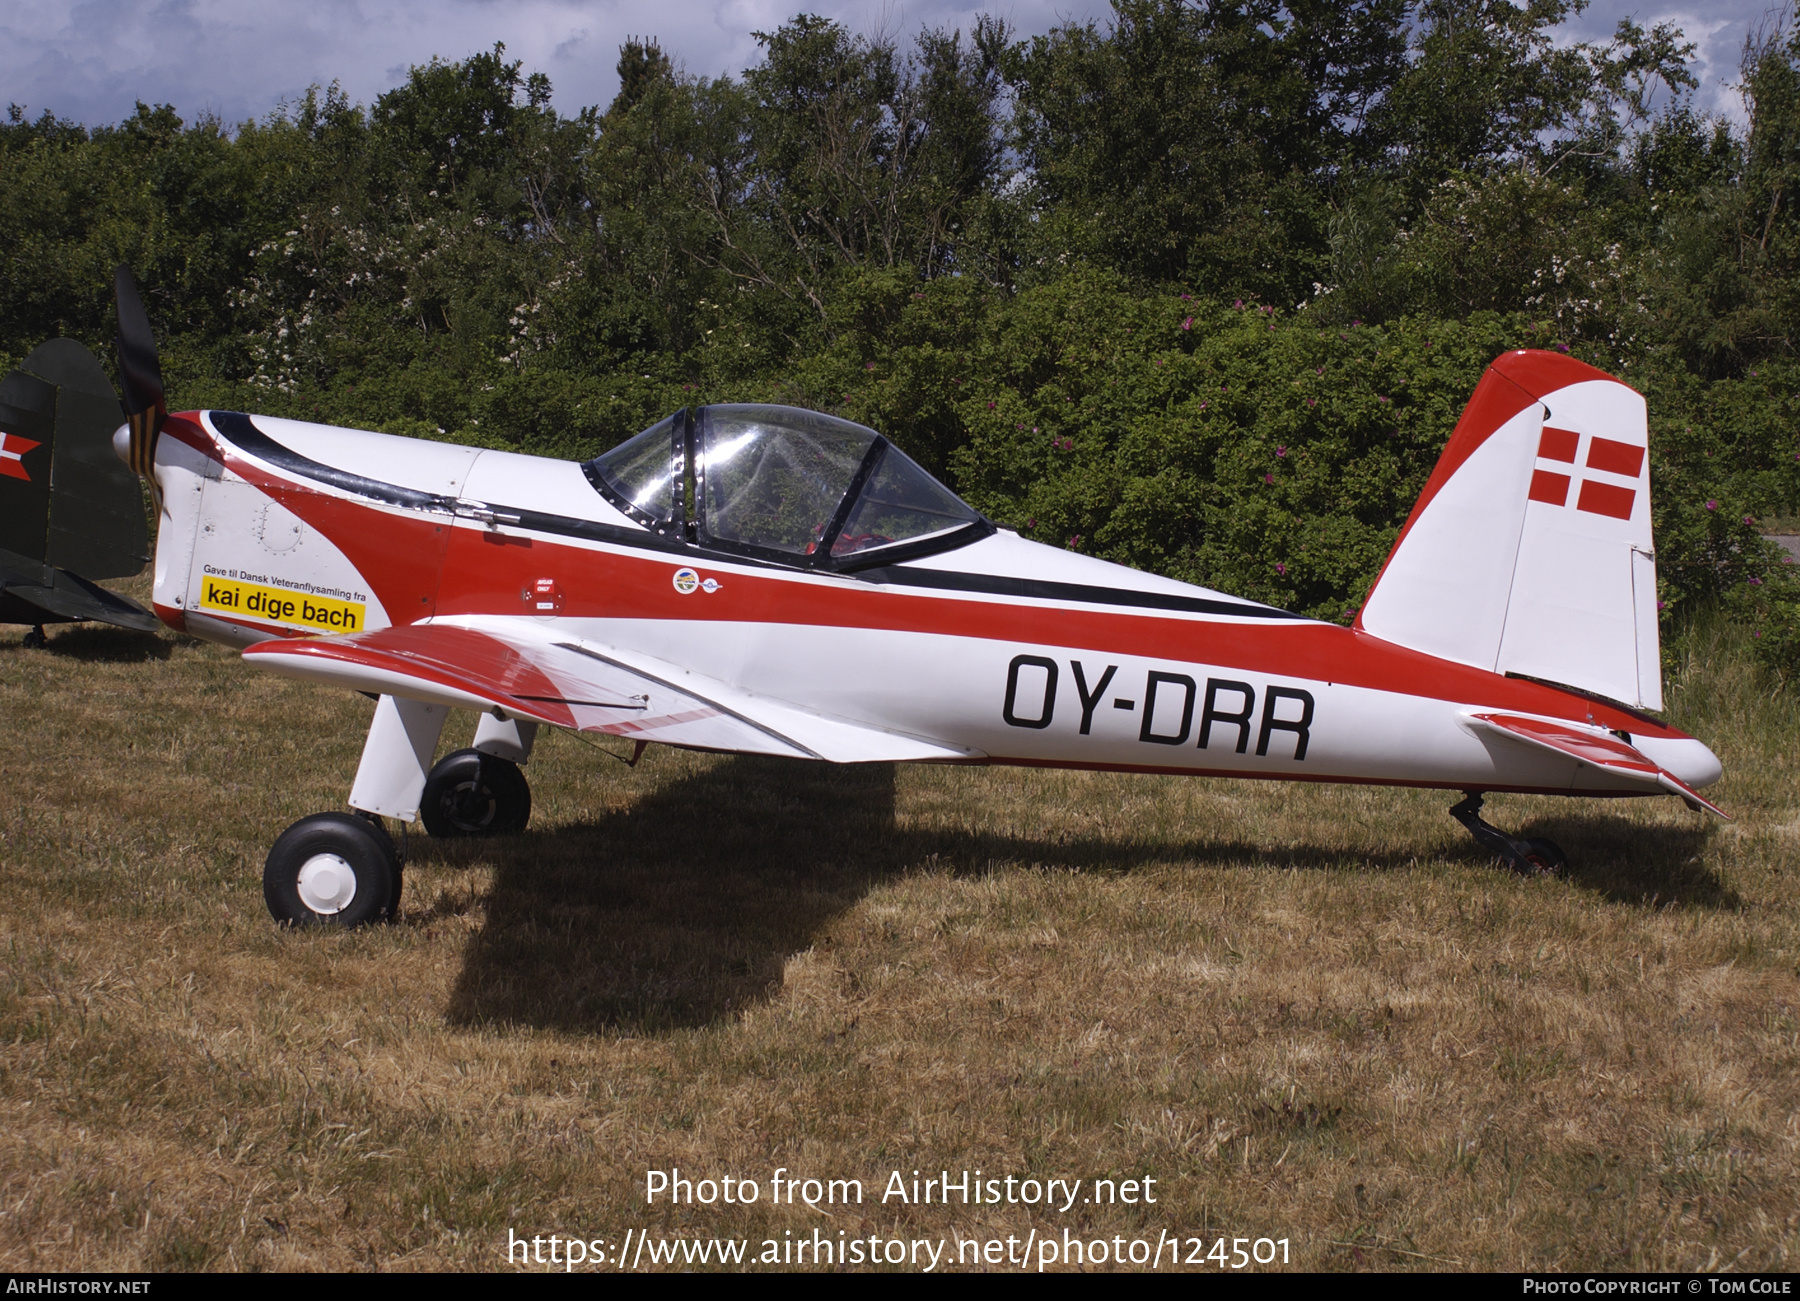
pixel 768 580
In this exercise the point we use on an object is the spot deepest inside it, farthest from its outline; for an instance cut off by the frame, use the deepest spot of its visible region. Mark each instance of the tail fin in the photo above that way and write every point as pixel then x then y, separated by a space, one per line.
pixel 65 498
pixel 1529 551
pixel 70 511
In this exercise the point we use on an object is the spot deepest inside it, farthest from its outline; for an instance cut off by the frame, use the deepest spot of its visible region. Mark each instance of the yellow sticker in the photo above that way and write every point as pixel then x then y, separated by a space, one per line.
pixel 249 600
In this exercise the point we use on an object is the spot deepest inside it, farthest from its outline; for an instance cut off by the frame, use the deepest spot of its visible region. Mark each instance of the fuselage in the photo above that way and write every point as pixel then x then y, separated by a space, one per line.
pixel 1001 648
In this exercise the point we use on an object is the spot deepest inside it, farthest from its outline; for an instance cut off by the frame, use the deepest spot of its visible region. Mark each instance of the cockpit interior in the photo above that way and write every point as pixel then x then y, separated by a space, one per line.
pixel 783 484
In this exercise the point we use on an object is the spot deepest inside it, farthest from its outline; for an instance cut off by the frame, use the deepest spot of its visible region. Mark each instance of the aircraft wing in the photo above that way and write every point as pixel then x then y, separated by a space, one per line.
pixel 533 672
pixel 1604 752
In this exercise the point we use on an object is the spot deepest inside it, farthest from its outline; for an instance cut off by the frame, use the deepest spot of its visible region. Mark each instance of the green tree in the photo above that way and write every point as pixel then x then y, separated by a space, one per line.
pixel 1201 142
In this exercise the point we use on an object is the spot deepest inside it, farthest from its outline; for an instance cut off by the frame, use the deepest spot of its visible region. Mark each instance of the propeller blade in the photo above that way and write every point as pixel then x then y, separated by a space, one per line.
pixel 145 405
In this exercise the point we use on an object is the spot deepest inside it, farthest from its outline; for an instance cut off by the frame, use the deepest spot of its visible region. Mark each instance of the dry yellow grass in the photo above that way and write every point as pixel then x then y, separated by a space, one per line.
pixel 1309 1013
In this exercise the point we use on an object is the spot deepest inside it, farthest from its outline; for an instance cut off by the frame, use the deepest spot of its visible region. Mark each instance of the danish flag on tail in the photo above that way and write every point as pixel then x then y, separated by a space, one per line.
pixel 12 455
pixel 1529 551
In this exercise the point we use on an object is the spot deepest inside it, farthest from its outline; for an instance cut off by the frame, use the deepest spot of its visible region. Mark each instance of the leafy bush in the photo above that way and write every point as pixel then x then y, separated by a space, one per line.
pixel 1203 299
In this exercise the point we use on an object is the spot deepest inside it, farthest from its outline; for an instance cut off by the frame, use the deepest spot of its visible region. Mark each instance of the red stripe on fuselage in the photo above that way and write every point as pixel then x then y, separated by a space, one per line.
pixel 399 552
pixel 601 583
pixel 481 579
pixel 185 427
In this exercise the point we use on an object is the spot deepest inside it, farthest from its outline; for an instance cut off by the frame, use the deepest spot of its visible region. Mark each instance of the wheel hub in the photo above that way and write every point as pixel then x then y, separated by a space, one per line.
pixel 327 884
pixel 472 806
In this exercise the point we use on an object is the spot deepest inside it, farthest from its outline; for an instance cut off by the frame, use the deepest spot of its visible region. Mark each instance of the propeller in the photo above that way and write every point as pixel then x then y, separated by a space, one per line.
pixel 140 374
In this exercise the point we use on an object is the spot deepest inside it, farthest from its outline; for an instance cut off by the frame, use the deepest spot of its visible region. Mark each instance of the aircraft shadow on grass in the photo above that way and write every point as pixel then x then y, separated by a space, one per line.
pixel 100 644
pixel 681 910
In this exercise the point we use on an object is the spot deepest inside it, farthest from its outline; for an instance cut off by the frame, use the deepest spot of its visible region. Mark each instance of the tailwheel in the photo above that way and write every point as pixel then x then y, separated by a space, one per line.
pixel 1545 857
pixel 332 869
pixel 1534 857
pixel 473 794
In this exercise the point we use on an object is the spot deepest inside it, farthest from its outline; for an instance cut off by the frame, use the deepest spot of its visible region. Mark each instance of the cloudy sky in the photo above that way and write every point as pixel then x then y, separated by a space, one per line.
pixel 93 59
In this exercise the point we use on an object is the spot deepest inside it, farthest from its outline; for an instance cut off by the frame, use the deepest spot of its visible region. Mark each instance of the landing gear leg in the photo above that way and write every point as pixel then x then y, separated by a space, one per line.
pixel 342 868
pixel 1534 857
pixel 506 738
pixel 35 639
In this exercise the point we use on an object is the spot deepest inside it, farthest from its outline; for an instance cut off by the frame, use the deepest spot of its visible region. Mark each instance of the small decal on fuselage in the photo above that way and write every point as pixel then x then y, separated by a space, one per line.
pixel 688 581
pixel 1227 708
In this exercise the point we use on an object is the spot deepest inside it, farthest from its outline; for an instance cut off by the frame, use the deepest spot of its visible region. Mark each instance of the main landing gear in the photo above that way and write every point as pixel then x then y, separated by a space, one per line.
pixel 336 868
pixel 1533 857
pixel 470 793
pixel 343 869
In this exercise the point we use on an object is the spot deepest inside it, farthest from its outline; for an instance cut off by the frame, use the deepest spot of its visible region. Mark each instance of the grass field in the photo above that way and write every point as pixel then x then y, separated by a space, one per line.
pixel 1309 1013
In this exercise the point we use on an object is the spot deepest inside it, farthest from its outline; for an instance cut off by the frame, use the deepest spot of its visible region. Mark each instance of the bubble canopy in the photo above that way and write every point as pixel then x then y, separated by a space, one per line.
pixel 785 484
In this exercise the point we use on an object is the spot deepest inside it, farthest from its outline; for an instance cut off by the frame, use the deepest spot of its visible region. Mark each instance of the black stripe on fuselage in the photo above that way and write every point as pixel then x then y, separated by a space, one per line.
pixel 1038 589
pixel 240 430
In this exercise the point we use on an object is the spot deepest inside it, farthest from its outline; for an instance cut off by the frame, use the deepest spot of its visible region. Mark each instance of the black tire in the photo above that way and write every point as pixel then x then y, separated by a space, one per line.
pixel 332 869
pixel 473 794
pixel 1546 857
pixel 380 828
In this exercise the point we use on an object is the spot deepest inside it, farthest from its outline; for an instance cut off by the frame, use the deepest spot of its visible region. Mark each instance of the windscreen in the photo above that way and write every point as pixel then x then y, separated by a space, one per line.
pixel 643 470
pixel 774 476
pixel 901 503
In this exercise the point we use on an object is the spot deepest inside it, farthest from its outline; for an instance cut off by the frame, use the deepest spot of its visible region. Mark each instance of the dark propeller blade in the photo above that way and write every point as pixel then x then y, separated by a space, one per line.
pixel 140 373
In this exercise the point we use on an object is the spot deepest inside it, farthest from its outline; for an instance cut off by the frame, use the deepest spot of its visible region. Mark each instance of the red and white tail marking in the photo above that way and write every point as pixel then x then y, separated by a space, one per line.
pixel 12 455
pixel 1582 609
pixel 1529 551
pixel 1604 494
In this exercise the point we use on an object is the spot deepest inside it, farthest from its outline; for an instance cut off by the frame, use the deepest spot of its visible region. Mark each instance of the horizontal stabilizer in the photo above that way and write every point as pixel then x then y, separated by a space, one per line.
pixel 1604 752
pixel 32 593
pixel 589 688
